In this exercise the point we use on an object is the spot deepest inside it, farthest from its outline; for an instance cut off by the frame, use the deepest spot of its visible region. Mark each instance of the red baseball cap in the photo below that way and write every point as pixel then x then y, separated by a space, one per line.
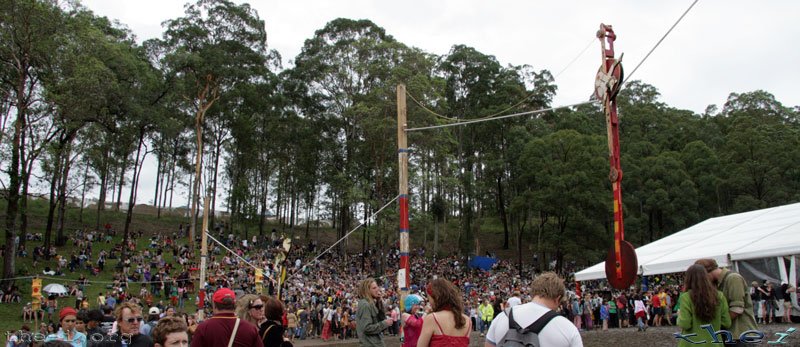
pixel 223 293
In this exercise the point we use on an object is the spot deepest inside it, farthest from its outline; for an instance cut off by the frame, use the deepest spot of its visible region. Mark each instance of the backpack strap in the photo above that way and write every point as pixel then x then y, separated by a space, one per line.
pixel 535 327
pixel 233 334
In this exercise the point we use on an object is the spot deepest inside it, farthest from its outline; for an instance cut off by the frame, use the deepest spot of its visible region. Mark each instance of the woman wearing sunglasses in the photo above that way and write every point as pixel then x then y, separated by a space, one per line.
pixel 67 333
pixel 250 308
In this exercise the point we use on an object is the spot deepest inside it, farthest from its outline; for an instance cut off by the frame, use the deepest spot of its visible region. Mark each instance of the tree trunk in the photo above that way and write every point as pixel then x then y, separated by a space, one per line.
pixel 83 192
pixel 27 167
pixel 101 200
pixel 62 190
pixel 211 215
pixel 54 181
pixel 13 178
pixel 132 199
pixel 121 182
pixel 205 99
pixel 501 205
pixel 159 178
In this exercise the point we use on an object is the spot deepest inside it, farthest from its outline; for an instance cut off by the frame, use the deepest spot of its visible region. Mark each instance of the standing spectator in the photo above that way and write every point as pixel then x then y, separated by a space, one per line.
pixel 640 312
pixel 655 301
pixel 271 331
pixel 67 333
pixel 604 316
pixel 291 323
pixel 171 332
pixel 153 315
pixel 486 311
pixel 327 325
pixel 303 316
pixel 95 317
pixel 412 320
pixel 548 291
pixel 734 287
pixel 224 328
pixel 250 308
pixel 129 318
pixel 786 291
pixel 755 296
pixel 769 302
pixel 701 304
pixel 613 319
pixel 446 325
pixel 577 312
pixel 370 318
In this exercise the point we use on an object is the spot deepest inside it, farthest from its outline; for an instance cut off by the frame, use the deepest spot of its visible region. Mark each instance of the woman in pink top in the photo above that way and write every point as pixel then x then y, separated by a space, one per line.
pixel 412 320
pixel 447 325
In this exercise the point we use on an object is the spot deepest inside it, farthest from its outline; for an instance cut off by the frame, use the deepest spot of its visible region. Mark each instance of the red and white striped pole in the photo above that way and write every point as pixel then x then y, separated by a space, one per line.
pixel 402 156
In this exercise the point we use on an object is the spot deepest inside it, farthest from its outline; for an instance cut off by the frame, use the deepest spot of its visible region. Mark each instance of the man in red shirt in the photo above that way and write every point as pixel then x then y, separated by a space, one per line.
pixel 219 329
pixel 657 311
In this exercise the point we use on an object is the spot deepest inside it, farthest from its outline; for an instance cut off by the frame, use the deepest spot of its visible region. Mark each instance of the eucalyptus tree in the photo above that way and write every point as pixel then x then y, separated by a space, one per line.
pixel 760 151
pixel 350 69
pixel 29 30
pixel 94 83
pixel 566 172
pixel 477 85
pixel 214 46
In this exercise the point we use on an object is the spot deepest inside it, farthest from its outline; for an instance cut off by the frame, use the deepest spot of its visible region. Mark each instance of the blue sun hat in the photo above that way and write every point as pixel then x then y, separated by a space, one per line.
pixel 412 300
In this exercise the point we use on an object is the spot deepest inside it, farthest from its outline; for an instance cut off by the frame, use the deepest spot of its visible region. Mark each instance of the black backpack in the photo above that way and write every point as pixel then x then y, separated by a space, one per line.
pixel 527 337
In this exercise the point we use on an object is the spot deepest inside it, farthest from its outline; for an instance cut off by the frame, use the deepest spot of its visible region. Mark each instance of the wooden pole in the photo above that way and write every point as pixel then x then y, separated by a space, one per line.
pixel 402 156
pixel 203 257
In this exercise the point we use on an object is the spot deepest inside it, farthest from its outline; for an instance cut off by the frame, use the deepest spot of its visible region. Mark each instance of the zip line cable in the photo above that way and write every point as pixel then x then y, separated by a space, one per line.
pixel 593 40
pixel 659 42
pixel 492 117
pixel 351 231
pixel 88 281
pixel 502 117
pixel 231 251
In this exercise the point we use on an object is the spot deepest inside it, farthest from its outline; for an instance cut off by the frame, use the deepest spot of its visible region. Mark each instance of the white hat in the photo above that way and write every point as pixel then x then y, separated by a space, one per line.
pixel 154 310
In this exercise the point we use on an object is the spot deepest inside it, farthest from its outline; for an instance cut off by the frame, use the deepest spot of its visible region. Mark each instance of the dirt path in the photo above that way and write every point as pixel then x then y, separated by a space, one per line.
pixel 653 337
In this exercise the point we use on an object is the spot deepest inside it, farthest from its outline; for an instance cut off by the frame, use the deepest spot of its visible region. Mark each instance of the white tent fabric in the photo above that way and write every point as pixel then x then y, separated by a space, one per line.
pixel 770 232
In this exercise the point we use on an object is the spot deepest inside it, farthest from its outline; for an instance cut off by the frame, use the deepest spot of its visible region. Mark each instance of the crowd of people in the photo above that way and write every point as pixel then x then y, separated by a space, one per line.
pixel 329 298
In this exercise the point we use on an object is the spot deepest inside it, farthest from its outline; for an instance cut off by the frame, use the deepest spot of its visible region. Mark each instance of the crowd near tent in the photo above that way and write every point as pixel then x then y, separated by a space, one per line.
pixel 761 245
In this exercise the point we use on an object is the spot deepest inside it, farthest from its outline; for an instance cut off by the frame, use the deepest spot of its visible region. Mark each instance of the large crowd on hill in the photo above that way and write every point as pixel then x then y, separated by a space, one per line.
pixel 320 298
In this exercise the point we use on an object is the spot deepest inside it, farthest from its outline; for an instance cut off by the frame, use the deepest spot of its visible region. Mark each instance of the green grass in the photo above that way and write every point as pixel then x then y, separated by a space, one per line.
pixel 12 312
pixel 490 239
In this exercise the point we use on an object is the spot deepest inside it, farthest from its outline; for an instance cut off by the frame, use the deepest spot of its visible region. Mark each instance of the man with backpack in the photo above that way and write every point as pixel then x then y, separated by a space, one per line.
pixel 536 323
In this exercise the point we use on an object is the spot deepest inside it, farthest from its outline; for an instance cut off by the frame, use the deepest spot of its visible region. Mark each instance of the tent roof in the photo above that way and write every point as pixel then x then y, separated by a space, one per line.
pixel 756 234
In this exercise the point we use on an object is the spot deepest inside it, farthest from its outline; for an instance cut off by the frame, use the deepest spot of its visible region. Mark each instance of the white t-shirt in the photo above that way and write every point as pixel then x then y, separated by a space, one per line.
pixel 559 332
pixel 514 301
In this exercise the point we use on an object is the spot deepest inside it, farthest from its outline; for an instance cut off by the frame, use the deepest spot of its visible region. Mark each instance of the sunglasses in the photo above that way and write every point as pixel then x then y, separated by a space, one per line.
pixel 69 321
pixel 257 307
pixel 134 319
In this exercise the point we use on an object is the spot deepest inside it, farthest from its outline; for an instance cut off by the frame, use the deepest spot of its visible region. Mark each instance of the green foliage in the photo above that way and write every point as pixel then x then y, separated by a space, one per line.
pixel 317 139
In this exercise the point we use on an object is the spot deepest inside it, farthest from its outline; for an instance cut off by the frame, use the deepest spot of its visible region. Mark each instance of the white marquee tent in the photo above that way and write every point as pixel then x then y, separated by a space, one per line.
pixel 757 243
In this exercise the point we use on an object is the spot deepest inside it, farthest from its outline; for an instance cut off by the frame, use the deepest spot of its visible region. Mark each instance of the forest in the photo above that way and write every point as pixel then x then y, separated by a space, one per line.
pixel 83 104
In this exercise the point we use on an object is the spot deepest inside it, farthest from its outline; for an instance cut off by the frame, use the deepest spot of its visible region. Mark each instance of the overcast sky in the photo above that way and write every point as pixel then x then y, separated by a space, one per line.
pixel 720 47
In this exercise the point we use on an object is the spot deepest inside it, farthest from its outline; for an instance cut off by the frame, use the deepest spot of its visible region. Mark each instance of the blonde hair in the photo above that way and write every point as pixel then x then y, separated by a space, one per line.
pixel 364 292
pixel 134 308
pixel 548 285
pixel 243 307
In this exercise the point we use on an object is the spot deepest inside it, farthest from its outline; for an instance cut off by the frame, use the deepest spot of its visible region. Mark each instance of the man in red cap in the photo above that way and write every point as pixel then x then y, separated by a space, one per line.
pixel 67 333
pixel 224 329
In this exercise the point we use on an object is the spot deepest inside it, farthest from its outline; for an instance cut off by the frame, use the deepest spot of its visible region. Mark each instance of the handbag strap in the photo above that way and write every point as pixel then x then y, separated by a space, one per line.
pixel 233 334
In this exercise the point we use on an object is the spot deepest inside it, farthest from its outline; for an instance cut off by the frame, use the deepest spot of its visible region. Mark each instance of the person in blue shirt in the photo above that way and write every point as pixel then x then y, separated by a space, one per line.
pixel 67 333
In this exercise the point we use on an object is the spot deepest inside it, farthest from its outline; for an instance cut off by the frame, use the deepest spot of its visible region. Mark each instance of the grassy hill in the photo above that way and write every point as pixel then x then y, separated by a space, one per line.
pixel 145 220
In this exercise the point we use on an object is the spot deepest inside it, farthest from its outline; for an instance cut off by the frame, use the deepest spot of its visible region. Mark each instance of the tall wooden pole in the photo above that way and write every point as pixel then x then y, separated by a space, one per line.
pixel 402 156
pixel 203 257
